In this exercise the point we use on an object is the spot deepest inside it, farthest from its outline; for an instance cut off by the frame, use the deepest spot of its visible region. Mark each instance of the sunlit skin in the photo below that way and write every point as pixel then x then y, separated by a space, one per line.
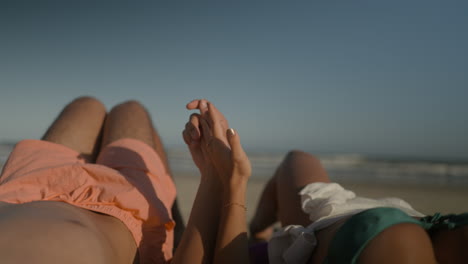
pixel 219 202
pixel 402 243
pixel 57 232
pixel 216 232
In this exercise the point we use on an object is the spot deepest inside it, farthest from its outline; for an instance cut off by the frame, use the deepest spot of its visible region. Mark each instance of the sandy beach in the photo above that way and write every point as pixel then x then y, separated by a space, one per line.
pixel 427 199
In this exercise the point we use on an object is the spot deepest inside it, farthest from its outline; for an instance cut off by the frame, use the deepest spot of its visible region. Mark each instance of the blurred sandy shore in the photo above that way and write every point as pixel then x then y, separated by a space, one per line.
pixel 427 199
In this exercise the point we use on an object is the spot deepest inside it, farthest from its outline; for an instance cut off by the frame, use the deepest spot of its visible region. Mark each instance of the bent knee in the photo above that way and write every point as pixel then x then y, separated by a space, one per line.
pixel 305 164
pixel 401 243
pixel 90 102
pixel 299 155
pixel 131 105
pixel 299 169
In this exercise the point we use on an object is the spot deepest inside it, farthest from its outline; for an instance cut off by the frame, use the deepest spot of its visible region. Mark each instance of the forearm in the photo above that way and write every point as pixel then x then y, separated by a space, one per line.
pixel 198 241
pixel 232 242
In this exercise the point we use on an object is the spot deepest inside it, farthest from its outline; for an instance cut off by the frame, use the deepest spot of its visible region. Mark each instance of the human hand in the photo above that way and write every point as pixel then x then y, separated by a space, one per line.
pixel 192 137
pixel 213 145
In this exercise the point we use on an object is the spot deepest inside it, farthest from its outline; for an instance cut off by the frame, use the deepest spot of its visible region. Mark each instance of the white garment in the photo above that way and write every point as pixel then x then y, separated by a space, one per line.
pixel 326 204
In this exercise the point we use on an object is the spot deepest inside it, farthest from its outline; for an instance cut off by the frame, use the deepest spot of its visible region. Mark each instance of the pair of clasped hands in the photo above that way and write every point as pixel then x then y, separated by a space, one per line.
pixel 215 148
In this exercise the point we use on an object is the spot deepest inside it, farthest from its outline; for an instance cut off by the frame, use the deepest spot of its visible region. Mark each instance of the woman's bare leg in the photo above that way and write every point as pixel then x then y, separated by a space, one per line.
pixel 265 216
pixel 297 170
pixel 78 127
pixel 128 120
pixel 131 120
pixel 52 232
pixel 175 211
pixel 280 199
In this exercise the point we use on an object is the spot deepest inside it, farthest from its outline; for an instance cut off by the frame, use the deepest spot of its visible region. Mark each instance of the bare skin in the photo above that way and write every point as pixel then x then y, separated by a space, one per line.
pixel 69 230
pixel 216 231
pixel 296 171
pixel 104 238
pixel 280 202
pixel 131 120
pixel 84 114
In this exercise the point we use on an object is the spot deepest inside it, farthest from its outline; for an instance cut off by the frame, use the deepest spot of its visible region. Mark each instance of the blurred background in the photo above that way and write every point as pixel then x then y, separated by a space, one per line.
pixel 378 89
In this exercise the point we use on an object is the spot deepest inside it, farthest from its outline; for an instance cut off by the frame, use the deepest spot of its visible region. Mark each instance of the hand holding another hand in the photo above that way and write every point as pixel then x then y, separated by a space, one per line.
pixel 215 148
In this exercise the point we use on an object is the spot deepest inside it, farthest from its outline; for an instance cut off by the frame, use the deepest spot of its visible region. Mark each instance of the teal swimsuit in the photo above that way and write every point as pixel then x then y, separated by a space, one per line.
pixel 351 239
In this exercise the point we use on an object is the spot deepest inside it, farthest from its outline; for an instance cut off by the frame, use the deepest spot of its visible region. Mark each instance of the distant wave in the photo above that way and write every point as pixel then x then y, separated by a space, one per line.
pixel 340 167
pixel 351 167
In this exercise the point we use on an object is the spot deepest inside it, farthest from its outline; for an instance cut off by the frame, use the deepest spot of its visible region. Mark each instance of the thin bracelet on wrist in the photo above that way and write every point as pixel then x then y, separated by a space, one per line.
pixel 236 204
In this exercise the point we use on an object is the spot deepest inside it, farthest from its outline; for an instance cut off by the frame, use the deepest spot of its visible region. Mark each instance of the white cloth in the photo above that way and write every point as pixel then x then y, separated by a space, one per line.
pixel 326 203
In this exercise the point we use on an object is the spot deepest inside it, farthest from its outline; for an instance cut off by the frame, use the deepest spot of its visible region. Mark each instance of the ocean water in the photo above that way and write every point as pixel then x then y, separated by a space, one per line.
pixel 352 168
pixel 340 167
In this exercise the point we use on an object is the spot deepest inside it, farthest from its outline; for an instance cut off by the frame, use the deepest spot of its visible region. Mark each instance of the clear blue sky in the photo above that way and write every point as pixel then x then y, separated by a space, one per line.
pixel 376 77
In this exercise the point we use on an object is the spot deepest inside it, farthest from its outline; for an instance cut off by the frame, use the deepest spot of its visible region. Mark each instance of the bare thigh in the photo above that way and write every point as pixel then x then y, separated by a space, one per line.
pixel 296 171
pixel 59 230
pixel 131 120
pixel 280 200
pixel 78 127
pixel 128 120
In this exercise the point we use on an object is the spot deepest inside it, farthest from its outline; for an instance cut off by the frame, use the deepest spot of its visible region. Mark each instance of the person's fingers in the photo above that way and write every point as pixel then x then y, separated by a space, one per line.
pixel 214 113
pixel 212 118
pixel 194 126
pixel 239 158
pixel 237 152
pixel 218 123
pixel 192 133
pixel 187 138
pixel 206 131
pixel 203 107
pixel 193 104
pixel 200 104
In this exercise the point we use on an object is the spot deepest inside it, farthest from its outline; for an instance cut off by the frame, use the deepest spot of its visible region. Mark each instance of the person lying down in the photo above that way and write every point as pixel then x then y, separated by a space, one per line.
pixel 97 188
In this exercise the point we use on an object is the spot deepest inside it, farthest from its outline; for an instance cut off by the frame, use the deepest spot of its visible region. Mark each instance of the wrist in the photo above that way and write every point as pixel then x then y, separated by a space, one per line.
pixel 235 199
pixel 208 173
pixel 235 192
pixel 237 182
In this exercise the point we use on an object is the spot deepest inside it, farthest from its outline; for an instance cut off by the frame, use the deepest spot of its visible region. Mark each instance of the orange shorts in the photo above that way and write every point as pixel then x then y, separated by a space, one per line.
pixel 128 181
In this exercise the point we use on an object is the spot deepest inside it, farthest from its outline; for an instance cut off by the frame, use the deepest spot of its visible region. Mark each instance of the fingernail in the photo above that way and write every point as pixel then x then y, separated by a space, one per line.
pixel 203 104
pixel 231 132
